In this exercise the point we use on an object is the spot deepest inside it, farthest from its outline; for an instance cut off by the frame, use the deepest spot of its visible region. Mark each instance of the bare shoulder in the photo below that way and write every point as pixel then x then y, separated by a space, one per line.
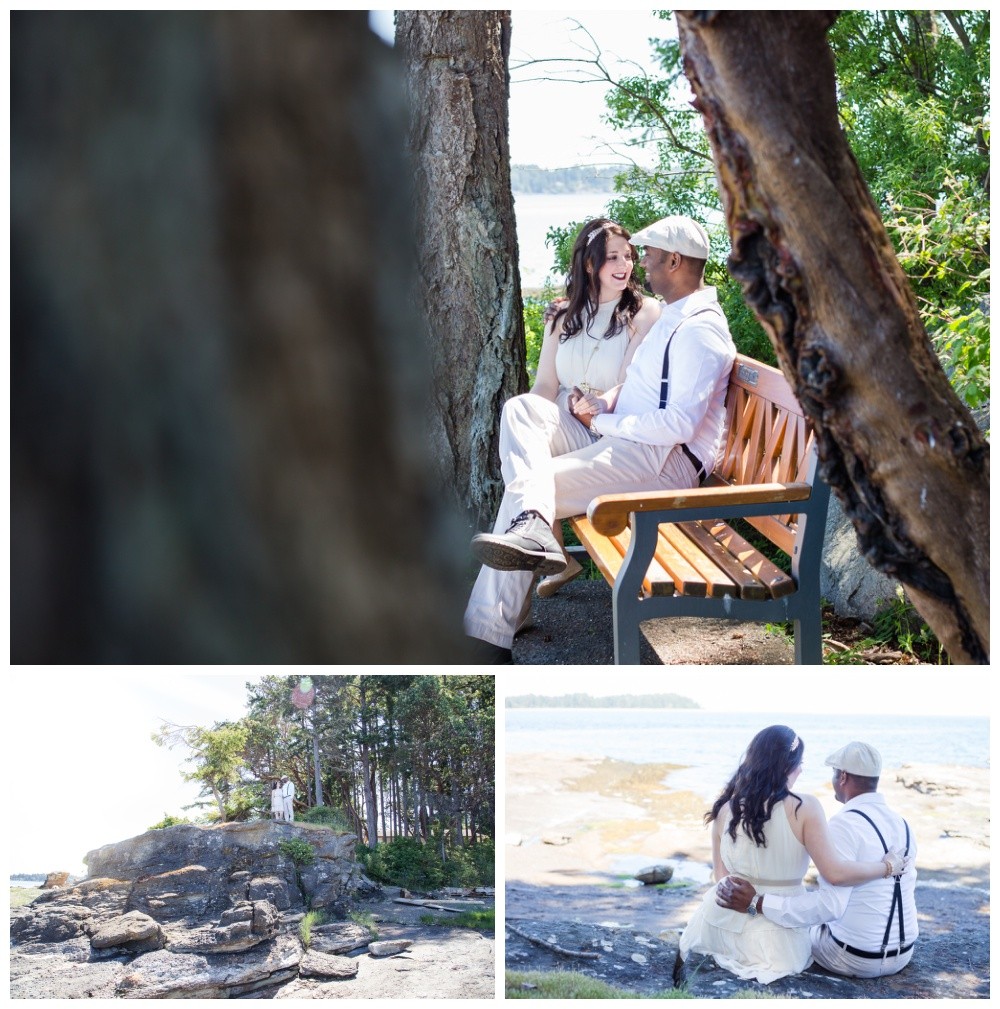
pixel 647 315
pixel 802 806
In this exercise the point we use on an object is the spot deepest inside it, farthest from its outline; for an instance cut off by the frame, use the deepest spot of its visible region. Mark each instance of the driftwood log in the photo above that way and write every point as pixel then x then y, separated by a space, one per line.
pixel 578 953
pixel 897 446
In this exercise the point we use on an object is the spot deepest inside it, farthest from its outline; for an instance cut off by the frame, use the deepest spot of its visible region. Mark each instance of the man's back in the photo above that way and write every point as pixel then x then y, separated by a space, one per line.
pixel 863 921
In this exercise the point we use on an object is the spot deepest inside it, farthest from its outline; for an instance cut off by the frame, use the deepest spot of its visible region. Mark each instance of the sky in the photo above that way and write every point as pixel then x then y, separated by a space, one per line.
pixel 557 124
pixel 893 690
pixel 87 771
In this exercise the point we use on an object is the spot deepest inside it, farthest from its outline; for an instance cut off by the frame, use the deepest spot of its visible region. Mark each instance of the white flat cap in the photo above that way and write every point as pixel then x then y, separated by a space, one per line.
pixel 675 234
pixel 857 758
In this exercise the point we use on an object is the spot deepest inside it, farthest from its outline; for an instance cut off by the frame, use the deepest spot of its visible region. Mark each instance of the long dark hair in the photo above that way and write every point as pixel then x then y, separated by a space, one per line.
pixel 583 288
pixel 760 782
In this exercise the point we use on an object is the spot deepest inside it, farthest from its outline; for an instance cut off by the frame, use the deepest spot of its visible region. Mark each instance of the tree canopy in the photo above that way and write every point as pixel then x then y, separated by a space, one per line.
pixel 913 97
pixel 400 756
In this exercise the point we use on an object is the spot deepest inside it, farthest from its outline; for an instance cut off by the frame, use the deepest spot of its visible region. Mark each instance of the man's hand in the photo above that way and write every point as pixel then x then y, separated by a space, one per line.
pixel 734 893
pixel 552 308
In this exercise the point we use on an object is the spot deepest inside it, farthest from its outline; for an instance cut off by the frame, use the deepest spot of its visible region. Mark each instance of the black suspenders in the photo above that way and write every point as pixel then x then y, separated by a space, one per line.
pixel 665 387
pixel 897 892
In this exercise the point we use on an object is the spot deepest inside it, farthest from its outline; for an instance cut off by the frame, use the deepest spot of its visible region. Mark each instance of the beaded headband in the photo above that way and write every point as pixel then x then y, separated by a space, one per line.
pixel 594 233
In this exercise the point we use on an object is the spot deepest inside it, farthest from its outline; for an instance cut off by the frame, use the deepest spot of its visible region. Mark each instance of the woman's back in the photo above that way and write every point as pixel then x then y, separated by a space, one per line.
pixel 782 861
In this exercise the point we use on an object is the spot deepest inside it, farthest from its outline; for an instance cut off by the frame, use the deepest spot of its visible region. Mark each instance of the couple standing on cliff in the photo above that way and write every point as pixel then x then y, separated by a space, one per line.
pixel 283 800
pixel 759 922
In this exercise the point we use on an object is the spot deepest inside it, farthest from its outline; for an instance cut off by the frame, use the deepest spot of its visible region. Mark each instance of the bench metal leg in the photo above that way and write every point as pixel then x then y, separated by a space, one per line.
pixel 626 631
pixel 809 639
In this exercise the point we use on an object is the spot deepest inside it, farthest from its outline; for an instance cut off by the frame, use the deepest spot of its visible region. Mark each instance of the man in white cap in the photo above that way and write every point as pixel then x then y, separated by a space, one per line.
pixel 660 429
pixel 859 931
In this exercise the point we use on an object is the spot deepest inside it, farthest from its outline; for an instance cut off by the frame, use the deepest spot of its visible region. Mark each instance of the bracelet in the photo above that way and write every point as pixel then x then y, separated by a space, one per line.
pixel 888 866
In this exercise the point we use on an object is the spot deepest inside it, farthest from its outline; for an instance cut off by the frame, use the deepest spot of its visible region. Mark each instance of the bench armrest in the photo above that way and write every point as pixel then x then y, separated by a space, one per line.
pixel 609 513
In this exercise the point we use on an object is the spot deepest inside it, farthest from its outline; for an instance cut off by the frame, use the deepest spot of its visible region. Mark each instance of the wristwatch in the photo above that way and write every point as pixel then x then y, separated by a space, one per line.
pixel 754 907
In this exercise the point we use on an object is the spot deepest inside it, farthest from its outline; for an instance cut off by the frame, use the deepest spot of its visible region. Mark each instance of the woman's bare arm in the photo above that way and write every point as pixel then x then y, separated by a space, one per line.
pixel 546 381
pixel 815 837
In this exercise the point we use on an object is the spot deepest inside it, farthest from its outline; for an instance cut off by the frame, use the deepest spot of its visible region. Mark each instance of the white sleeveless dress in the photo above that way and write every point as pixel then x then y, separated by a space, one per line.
pixel 753 947
pixel 587 360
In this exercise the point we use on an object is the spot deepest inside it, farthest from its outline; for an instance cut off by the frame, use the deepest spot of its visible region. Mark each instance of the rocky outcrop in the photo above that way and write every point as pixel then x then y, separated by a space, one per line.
pixel 846 579
pixel 55 879
pixel 186 870
pixel 187 912
pixel 134 931
pixel 166 974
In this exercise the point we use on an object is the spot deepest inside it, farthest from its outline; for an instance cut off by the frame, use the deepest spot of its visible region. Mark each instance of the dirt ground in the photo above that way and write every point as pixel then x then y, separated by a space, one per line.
pixel 442 962
pixel 585 605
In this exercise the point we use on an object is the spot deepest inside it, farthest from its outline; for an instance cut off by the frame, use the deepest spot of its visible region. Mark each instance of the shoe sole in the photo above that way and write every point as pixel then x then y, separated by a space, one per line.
pixel 503 556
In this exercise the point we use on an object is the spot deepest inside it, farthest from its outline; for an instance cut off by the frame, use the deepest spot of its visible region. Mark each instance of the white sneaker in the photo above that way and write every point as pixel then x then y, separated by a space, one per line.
pixel 551 585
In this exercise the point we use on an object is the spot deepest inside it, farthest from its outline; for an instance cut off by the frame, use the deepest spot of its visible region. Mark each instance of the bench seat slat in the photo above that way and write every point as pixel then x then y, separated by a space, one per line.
pixel 660 580
pixel 746 584
pixel 608 554
pixel 688 581
pixel 778 584
pixel 717 581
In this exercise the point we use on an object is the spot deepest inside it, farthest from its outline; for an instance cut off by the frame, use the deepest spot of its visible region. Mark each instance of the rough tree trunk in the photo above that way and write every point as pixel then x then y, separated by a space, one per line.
pixel 898 447
pixel 218 393
pixel 456 70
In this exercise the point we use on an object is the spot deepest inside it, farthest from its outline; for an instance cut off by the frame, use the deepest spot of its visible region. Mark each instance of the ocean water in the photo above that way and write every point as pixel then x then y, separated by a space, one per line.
pixel 709 744
pixel 534 214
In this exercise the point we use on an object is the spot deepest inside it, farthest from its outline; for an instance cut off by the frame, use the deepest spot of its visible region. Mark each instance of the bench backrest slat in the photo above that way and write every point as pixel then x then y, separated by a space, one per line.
pixel 767 439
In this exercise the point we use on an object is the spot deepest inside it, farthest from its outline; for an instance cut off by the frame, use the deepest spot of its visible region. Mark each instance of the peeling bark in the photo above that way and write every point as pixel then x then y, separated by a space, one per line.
pixel 897 446
pixel 470 286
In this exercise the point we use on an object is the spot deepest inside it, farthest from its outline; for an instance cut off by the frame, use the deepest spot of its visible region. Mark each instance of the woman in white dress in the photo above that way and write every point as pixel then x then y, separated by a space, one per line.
pixel 765 833
pixel 591 339
pixel 277 801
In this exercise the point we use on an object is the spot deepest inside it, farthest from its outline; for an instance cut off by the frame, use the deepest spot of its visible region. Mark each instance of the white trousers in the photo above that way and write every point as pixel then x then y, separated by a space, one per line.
pixel 835 958
pixel 552 464
pixel 289 812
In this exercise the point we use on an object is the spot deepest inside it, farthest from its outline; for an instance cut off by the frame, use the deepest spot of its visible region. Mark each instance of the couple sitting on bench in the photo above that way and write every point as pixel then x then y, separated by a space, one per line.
pixel 661 428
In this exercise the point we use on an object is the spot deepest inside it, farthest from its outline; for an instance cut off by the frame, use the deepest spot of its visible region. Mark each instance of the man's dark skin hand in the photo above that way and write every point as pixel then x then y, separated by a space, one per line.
pixel 734 893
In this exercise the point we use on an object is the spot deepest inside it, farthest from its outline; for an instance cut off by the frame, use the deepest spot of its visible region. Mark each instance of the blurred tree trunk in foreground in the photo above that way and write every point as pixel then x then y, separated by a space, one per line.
pixel 218 393
pixel 457 78
pixel 898 447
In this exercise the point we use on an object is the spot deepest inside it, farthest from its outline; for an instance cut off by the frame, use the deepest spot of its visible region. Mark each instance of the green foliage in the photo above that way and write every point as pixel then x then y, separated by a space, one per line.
pixel 300 852
pixel 309 920
pixel 534 325
pixel 913 97
pixel 217 756
pixel 327 816
pixel 407 862
pixel 945 251
pixel 483 921
pixel 569 984
pixel 365 919
pixel 169 820
pixel 897 627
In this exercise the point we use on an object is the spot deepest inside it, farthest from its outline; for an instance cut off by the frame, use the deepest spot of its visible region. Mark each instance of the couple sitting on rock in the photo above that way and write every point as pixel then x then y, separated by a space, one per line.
pixel 759 922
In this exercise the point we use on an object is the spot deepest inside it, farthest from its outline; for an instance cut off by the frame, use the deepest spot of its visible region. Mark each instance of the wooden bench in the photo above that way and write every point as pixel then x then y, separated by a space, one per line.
pixel 668 553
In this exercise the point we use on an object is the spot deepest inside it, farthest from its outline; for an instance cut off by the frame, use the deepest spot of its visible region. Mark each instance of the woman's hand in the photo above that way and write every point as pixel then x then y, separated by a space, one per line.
pixel 896 862
pixel 586 404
